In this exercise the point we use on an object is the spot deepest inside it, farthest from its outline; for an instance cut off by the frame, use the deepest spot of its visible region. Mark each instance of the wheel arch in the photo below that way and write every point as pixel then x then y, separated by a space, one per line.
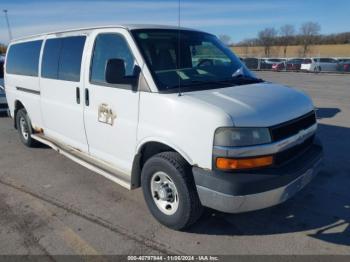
pixel 145 150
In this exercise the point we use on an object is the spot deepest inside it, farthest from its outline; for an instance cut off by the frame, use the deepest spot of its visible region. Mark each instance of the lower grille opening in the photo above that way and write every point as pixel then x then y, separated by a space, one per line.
pixel 287 155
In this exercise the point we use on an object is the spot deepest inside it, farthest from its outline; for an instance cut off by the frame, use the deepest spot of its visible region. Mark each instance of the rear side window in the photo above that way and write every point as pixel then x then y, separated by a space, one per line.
pixel 23 58
pixel 51 56
pixel 109 46
pixel 70 58
pixel 62 58
pixel 328 60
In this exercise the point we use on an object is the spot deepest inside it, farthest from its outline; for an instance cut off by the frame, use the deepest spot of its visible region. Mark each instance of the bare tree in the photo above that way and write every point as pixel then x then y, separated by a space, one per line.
pixel 287 33
pixel 308 33
pixel 226 39
pixel 2 49
pixel 267 38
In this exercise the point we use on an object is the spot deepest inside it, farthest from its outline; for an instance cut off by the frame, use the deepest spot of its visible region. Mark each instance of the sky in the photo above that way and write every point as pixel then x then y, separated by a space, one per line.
pixel 240 19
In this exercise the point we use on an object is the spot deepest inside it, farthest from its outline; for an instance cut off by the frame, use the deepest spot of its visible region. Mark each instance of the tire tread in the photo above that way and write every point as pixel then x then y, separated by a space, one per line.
pixel 185 175
pixel 184 168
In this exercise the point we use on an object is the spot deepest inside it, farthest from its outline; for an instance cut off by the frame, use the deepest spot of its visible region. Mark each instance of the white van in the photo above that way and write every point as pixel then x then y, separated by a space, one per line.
pixel 172 110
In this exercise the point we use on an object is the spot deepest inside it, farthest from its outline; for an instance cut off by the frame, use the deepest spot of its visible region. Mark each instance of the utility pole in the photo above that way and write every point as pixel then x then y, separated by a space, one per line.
pixel 8 24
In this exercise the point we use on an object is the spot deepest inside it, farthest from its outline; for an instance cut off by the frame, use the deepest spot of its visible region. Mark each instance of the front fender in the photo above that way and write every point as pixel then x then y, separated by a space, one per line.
pixel 166 142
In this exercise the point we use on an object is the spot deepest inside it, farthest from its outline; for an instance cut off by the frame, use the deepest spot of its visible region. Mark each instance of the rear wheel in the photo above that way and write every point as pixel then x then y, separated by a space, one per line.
pixel 24 128
pixel 170 191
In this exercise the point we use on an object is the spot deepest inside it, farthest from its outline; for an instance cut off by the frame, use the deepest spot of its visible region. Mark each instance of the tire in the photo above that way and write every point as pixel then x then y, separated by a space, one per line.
pixel 24 128
pixel 163 171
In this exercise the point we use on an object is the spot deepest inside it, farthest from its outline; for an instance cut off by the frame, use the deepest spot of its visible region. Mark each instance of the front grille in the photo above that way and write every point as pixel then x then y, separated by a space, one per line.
pixel 292 127
pixel 3 106
pixel 286 155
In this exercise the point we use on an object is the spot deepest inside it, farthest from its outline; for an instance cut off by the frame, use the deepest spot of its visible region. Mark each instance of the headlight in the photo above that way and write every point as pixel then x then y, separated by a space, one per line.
pixel 227 136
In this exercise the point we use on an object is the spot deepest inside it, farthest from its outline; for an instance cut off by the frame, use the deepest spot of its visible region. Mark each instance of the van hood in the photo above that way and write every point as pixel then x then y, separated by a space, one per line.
pixel 257 105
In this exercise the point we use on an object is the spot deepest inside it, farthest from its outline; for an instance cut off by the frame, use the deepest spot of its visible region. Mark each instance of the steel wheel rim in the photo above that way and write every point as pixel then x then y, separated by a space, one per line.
pixel 164 193
pixel 24 128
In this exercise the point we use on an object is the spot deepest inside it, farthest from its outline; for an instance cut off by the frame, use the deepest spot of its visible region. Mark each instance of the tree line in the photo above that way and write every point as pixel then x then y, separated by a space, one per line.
pixel 308 34
pixel 2 49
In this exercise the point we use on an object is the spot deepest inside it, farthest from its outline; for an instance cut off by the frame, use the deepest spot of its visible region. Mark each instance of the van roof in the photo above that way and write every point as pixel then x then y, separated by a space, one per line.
pixel 125 26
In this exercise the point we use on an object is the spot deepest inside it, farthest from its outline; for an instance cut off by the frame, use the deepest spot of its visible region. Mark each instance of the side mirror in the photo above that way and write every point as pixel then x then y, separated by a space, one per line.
pixel 115 73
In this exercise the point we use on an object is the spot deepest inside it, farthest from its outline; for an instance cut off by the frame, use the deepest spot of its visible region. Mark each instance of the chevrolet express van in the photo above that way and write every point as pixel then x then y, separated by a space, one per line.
pixel 171 110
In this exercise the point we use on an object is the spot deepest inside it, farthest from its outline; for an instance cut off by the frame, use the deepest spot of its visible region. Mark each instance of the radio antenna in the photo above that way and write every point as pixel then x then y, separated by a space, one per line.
pixel 178 65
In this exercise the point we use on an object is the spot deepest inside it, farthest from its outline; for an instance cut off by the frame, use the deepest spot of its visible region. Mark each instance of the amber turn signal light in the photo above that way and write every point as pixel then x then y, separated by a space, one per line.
pixel 244 163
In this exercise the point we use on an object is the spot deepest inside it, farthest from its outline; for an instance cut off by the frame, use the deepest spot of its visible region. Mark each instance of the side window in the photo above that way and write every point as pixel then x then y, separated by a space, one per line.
pixel 49 64
pixel 62 58
pixel 109 46
pixel 70 58
pixel 23 58
pixel 208 51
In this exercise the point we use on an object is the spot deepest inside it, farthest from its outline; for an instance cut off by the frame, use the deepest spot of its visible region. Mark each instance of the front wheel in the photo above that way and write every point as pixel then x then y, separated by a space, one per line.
pixel 169 190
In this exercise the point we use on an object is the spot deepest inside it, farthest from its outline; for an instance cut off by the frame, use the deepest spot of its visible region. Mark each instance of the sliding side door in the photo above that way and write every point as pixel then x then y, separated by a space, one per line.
pixel 61 90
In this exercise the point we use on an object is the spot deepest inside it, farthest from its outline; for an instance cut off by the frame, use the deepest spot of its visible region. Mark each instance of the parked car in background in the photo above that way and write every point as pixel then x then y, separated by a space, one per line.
pixel 251 62
pixel 342 59
pixel 266 63
pixel 290 65
pixel 2 60
pixel 344 65
pixel 3 102
pixel 279 66
pixel 316 64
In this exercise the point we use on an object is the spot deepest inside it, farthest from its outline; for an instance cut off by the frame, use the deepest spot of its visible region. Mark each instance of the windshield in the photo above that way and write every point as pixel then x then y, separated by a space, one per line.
pixel 195 60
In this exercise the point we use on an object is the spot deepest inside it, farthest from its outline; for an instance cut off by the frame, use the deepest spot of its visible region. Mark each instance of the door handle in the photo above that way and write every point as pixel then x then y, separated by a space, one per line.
pixel 87 99
pixel 77 94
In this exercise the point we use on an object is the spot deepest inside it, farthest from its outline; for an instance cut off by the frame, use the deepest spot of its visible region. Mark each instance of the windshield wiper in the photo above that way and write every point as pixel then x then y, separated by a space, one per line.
pixel 244 79
pixel 236 80
pixel 200 83
pixel 239 75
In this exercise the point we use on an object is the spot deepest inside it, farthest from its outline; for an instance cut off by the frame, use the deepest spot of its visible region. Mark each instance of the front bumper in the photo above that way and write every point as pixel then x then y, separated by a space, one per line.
pixel 253 190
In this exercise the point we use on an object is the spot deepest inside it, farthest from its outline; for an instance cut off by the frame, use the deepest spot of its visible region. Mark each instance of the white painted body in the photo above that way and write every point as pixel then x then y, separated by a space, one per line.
pixel 186 122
